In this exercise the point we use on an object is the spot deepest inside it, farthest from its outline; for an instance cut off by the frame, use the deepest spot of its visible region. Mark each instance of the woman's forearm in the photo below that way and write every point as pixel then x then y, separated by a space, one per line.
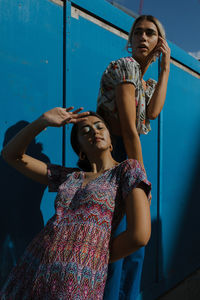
pixel 133 146
pixel 122 246
pixel 138 230
pixel 15 151
pixel 158 99
pixel 18 145
pixel 125 101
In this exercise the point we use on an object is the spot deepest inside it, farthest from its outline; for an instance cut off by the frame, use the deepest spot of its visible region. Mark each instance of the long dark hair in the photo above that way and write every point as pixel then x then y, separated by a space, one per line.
pixel 84 163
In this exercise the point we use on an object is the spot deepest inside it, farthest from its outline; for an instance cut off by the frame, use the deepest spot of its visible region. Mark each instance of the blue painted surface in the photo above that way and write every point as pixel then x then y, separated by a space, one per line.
pixel 85 63
pixel 181 174
pixel 183 57
pixel 106 11
pixel 92 48
pixel 31 60
pixel 31 83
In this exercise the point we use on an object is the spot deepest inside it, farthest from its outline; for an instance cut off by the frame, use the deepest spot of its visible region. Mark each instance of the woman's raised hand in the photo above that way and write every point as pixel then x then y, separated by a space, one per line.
pixel 59 116
pixel 162 47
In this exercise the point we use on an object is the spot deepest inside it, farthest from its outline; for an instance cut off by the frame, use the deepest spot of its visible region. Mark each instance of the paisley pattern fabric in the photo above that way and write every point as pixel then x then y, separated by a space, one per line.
pixel 69 258
pixel 127 70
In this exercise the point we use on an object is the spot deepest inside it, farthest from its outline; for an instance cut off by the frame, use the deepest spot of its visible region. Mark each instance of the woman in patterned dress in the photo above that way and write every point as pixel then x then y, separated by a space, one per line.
pixel 128 103
pixel 68 259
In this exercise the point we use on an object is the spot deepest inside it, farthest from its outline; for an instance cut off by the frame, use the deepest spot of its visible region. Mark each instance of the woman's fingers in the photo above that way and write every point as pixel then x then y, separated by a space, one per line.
pixel 75 111
pixel 75 118
pixel 83 114
pixel 163 46
pixel 162 43
pixel 59 116
pixel 78 110
pixel 69 108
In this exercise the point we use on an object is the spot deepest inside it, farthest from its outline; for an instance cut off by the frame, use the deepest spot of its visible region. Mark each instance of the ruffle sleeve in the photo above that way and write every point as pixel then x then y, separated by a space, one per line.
pixel 125 69
pixel 132 175
pixel 57 175
pixel 151 84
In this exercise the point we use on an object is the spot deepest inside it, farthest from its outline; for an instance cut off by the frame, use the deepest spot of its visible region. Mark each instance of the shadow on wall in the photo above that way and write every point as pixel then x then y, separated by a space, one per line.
pixel 153 261
pixel 186 251
pixel 20 215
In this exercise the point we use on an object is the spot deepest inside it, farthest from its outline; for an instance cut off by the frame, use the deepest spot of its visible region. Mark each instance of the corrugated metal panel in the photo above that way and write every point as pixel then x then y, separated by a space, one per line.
pixel 184 58
pixel 31 83
pixel 32 77
pixel 93 44
pixel 104 10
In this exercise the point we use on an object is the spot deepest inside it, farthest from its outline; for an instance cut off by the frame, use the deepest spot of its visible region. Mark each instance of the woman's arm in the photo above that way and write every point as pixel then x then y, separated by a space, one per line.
pixel 158 99
pixel 125 99
pixel 138 230
pixel 15 151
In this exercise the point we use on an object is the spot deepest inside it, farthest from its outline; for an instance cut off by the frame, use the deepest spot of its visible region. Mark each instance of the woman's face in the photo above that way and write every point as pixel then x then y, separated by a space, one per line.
pixel 93 135
pixel 144 39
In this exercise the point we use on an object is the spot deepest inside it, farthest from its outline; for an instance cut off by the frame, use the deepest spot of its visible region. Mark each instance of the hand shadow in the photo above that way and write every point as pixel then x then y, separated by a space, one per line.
pixel 20 215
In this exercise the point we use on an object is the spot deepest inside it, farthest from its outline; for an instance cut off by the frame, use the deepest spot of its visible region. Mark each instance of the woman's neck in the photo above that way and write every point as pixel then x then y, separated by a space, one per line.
pixel 144 64
pixel 102 163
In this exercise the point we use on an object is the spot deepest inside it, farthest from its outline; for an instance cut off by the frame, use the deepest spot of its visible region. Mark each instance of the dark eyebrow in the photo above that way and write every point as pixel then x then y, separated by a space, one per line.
pixel 138 28
pixel 145 29
pixel 152 30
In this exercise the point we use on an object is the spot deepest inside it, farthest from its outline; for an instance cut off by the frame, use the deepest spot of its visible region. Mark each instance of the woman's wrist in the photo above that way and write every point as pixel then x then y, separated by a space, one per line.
pixel 165 69
pixel 42 121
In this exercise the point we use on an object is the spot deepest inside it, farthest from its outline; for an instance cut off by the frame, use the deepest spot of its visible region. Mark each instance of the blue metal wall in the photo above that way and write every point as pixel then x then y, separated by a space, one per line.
pixel 31 64
pixel 170 150
pixel 33 50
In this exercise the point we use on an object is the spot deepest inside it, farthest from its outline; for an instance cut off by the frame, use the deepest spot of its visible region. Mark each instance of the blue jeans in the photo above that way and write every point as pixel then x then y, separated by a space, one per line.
pixel 124 275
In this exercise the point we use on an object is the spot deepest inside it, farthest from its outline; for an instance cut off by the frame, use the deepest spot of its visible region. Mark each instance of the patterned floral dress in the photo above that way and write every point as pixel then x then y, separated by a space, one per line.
pixel 68 259
pixel 126 69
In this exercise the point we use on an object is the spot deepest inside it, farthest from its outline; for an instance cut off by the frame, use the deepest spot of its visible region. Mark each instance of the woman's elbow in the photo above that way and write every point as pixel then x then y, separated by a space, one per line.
pixel 8 157
pixel 130 133
pixel 152 115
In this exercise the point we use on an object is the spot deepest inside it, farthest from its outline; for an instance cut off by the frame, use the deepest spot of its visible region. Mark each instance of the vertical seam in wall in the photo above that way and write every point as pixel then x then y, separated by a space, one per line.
pixel 159 187
pixel 64 79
